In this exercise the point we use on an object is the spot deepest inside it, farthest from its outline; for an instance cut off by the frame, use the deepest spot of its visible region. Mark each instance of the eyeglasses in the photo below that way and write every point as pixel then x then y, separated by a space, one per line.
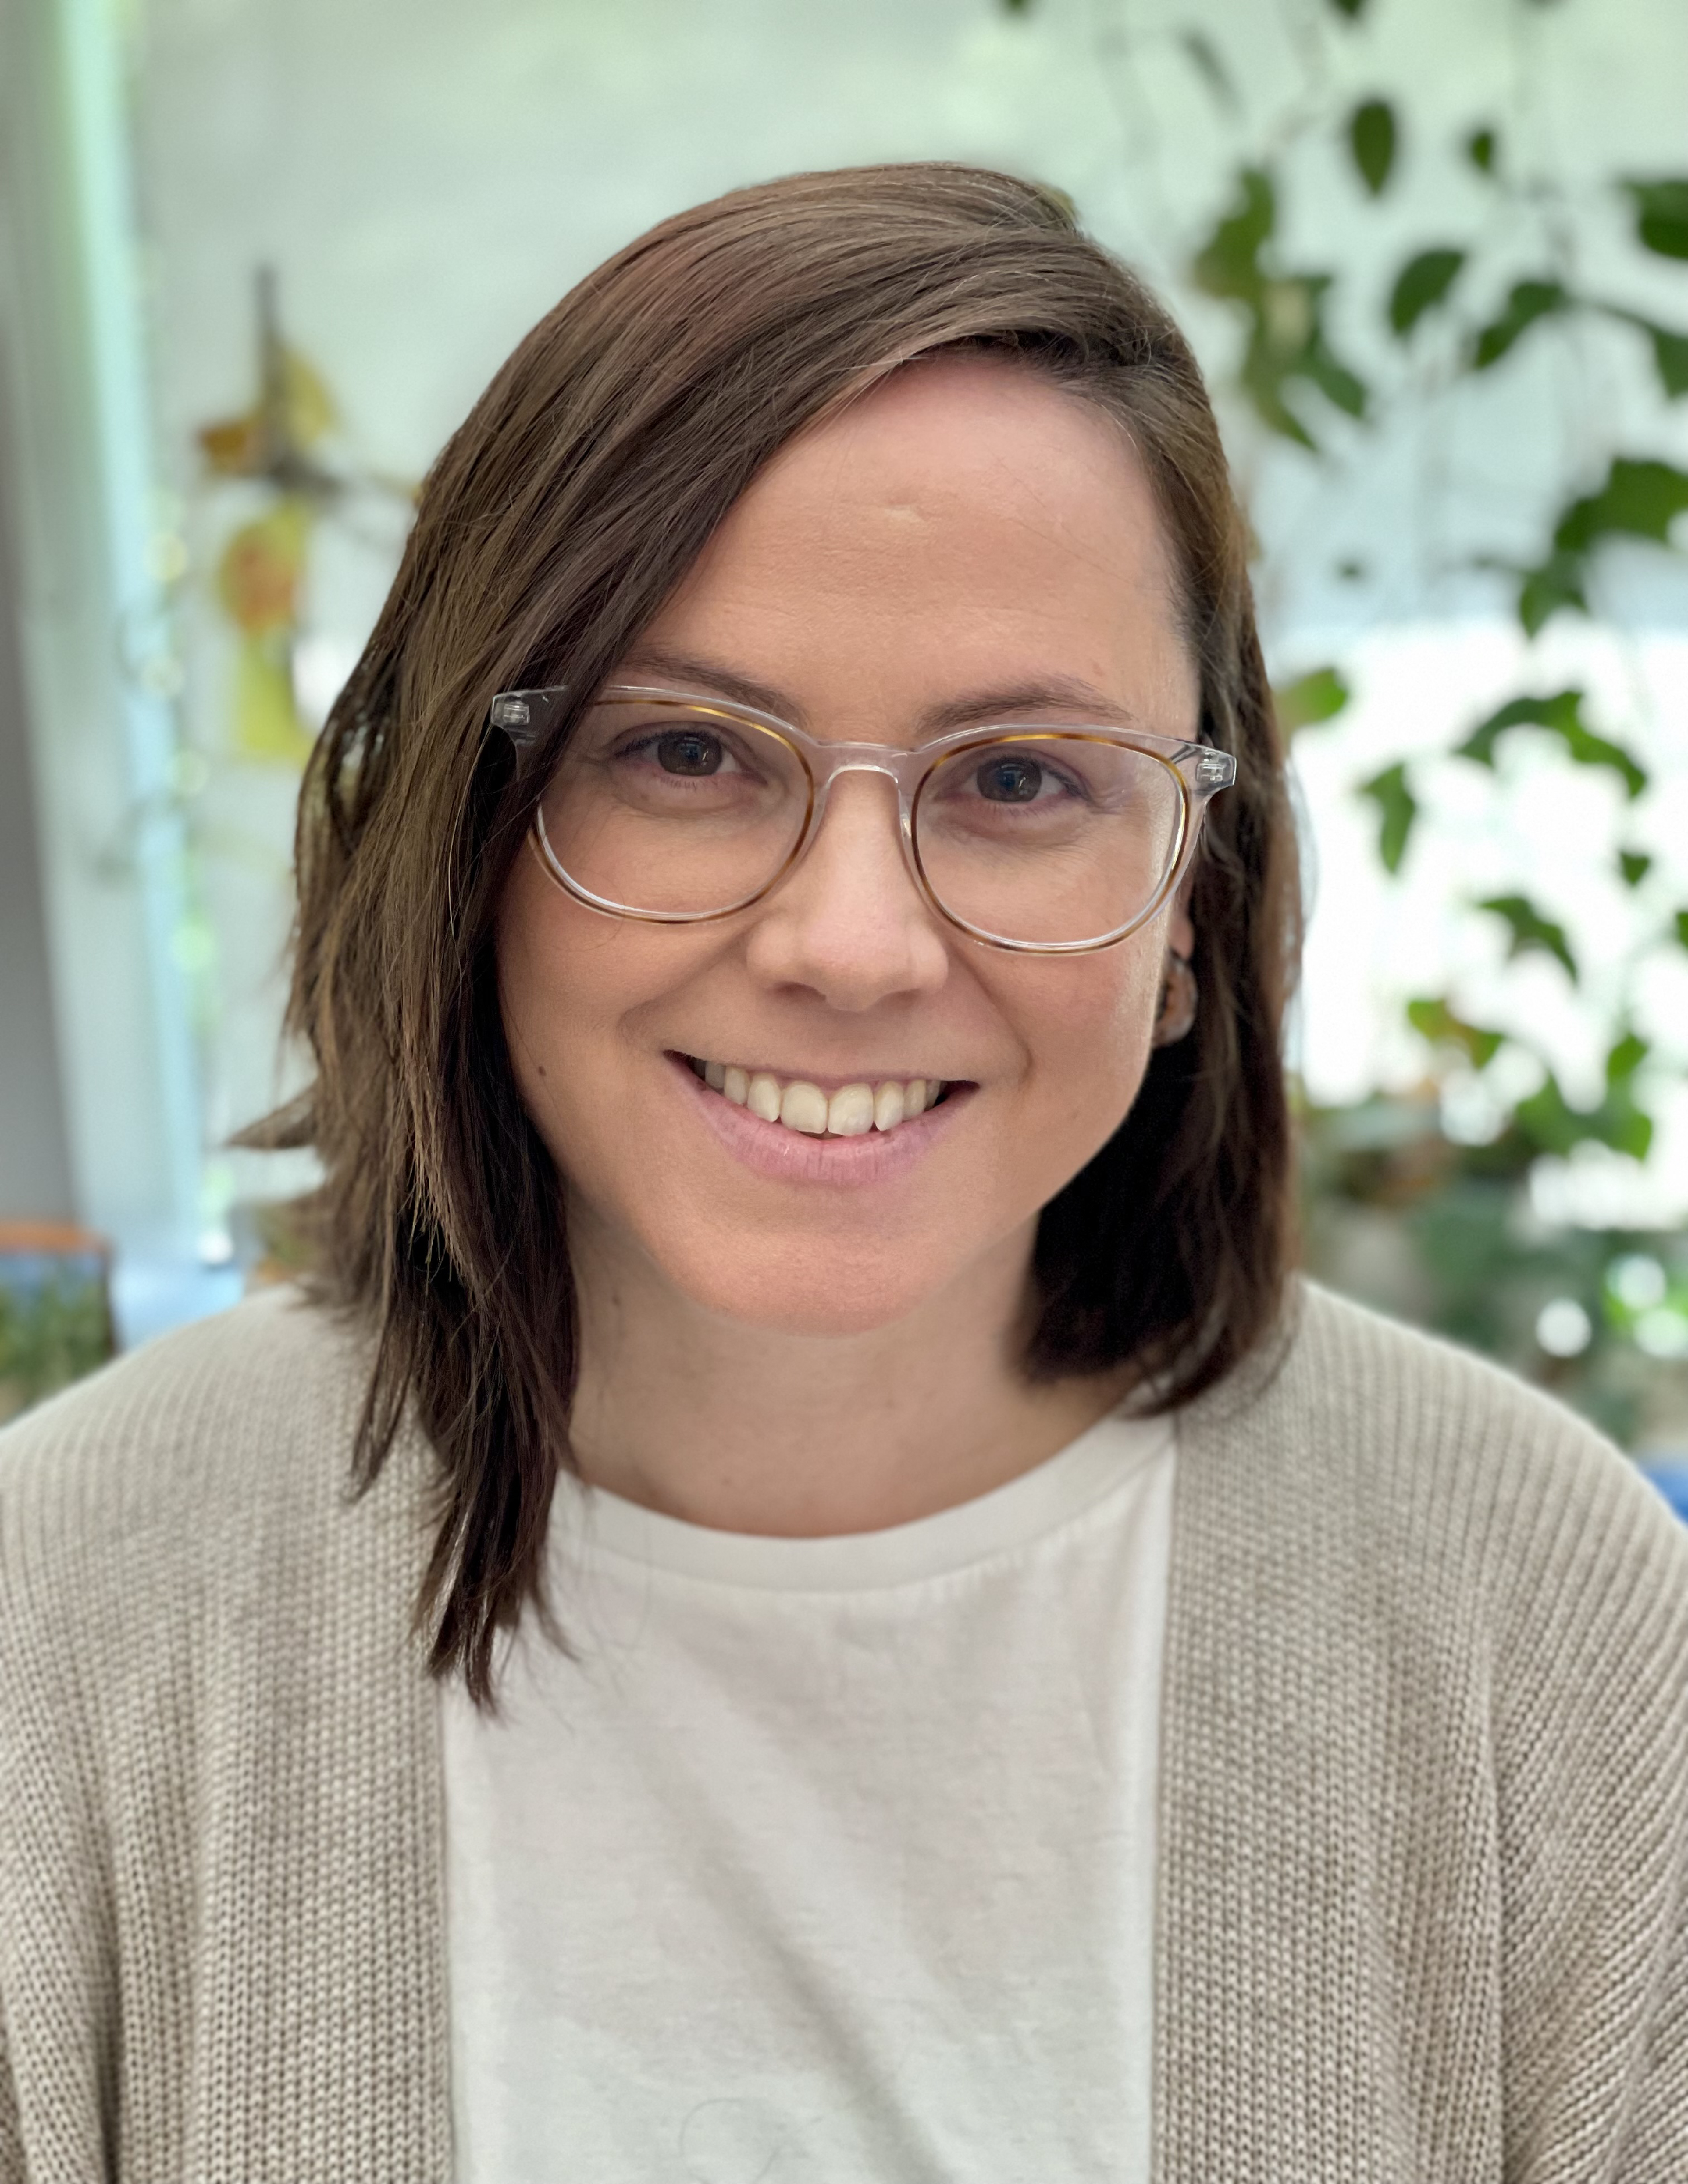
pixel 677 809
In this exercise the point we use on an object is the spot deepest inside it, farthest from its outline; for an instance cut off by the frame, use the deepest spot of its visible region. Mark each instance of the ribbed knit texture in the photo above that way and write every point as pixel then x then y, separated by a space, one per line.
pixel 221 1839
pixel 1423 1917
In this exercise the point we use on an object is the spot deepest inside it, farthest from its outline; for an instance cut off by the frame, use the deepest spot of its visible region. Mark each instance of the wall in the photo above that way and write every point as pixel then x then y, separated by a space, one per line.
pixel 75 446
pixel 35 1168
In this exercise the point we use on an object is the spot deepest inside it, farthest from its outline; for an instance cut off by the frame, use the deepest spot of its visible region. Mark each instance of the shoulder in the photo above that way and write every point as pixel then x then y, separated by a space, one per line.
pixel 1433 1474
pixel 1351 1380
pixel 1427 1742
pixel 211 1430
pixel 1341 1390
pixel 180 1541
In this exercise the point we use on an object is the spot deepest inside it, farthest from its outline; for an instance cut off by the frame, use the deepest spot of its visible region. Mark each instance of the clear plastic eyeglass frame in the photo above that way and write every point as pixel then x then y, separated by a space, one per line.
pixel 1199 770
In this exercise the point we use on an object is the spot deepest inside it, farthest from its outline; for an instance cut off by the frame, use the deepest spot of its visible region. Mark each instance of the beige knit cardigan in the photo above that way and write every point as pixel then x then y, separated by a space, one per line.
pixel 1422 1912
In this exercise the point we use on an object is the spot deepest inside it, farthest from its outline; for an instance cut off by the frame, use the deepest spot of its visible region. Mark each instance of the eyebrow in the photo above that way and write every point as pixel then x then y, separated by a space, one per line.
pixel 1062 692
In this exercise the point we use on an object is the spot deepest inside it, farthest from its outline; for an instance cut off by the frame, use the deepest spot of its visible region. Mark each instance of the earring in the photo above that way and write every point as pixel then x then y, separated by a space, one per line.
pixel 1175 1012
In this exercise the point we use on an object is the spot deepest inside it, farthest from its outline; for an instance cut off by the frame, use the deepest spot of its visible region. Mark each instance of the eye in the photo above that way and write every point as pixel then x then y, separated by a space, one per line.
pixel 1010 778
pixel 689 751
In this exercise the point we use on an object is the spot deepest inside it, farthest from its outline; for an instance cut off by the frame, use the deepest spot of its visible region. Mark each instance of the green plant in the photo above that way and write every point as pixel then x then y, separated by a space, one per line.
pixel 54 1326
pixel 1341 367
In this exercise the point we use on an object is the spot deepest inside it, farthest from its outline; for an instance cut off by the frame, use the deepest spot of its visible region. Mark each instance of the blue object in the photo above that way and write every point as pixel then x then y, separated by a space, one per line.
pixel 1669 1473
pixel 151 1295
pixel 25 1274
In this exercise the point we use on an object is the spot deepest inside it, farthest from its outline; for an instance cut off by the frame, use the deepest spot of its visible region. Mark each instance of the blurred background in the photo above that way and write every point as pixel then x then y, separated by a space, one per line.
pixel 257 257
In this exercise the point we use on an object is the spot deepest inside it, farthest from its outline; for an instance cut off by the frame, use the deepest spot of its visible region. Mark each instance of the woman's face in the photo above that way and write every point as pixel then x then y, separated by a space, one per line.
pixel 966 536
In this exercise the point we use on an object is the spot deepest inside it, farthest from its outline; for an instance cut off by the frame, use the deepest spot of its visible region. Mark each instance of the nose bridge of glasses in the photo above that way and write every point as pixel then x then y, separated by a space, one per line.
pixel 873 829
pixel 830 762
pixel 898 766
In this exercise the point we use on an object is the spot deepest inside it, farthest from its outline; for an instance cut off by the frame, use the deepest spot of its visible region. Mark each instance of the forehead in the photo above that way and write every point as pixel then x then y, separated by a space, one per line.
pixel 966 521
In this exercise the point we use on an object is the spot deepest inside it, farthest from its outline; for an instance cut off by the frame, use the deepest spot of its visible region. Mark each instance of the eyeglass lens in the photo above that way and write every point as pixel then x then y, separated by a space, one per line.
pixel 1046 837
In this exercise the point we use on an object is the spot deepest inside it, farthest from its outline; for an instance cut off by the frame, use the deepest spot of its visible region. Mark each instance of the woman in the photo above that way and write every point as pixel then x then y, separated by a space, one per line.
pixel 881 1636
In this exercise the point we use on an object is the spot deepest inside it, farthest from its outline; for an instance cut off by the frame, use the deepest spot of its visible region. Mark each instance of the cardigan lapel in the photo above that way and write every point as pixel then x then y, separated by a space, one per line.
pixel 321 2036
pixel 1328 1909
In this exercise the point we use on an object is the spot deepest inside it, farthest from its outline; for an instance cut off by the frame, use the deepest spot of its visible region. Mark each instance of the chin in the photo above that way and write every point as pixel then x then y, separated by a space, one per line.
pixel 814 1292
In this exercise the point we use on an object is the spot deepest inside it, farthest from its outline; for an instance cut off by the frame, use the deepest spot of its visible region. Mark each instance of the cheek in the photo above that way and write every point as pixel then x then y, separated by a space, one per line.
pixel 1087 1040
pixel 575 988
pixel 562 983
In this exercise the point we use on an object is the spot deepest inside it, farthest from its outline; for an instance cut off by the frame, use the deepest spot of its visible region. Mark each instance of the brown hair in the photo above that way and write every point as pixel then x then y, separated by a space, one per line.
pixel 556 521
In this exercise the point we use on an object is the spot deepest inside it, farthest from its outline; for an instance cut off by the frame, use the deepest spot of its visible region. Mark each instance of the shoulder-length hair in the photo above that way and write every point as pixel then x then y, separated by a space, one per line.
pixel 557 520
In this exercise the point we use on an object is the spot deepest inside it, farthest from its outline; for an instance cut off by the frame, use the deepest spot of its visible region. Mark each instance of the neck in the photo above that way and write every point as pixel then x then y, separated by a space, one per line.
pixel 744 1429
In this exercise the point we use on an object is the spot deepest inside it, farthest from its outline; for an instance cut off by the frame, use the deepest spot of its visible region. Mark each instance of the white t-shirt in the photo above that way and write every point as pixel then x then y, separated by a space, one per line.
pixel 829 1861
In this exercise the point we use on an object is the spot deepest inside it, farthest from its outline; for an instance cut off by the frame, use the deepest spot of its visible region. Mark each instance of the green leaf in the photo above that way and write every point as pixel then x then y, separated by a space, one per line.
pixel 1634 865
pixel 1482 147
pixel 1206 58
pixel 1639 499
pixel 1662 215
pixel 1332 377
pixel 1531 933
pixel 1625 1128
pixel 1287 345
pixel 1397 809
pixel 1547 1121
pixel 1681 922
pixel 1527 301
pixel 1352 9
pixel 1229 263
pixel 1670 350
pixel 1558 583
pixel 1435 1020
pixel 1372 139
pixel 1562 716
pixel 1318 695
pixel 1670 358
pixel 1420 284
pixel 1619 1120
pixel 1553 1125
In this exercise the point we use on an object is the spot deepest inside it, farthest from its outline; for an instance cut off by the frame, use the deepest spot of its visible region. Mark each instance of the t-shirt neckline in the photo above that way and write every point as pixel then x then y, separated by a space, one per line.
pixel 1063 1486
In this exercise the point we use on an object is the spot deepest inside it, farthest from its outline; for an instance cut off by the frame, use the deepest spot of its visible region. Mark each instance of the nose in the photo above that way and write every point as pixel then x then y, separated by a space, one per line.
pixel 849 923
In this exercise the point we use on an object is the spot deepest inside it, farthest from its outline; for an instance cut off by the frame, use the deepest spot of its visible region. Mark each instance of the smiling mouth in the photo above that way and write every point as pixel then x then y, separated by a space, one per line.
pixel 795 1104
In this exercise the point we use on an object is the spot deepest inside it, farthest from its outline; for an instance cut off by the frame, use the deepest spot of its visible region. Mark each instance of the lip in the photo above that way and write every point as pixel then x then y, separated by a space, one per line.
pixel 789 1156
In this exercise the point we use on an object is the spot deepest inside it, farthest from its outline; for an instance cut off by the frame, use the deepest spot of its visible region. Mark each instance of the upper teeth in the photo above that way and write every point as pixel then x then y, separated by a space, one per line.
pixel 851 1111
